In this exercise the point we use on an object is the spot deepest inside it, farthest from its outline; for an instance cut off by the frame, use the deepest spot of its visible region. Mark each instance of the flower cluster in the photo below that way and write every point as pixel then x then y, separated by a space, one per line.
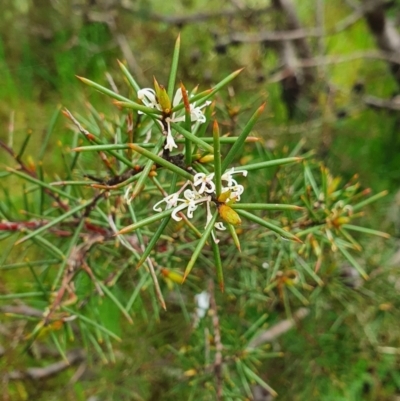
pixel 148 97
pixel 202 192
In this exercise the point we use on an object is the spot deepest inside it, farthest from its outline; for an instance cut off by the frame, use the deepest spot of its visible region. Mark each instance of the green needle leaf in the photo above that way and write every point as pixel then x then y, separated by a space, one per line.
pixel 161 162
pixel 129 77
pixel 264 206
pixel 201 97
pixel 238 145
pixel 118 304
pixel 218 265
pixel 366 230
pixel 352 261
pixel 54 222
pixel 270 226
pixel 200 246
pixel 233 233
pixel 174 68
pixel 198 141
pixel 217 160
pixel 40 183
pixel 366 202
pixel 145 222
pixel 272 163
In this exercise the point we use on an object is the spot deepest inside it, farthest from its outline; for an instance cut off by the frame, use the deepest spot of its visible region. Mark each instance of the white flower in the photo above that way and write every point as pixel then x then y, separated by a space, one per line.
pixel 148 98
pixel 170 142
pixel 236 191
pixel 227 176
pixel 195 112
pixel 206 182
pixel 191 201
pixel 195 115
pixel 219 225
pixel 170 200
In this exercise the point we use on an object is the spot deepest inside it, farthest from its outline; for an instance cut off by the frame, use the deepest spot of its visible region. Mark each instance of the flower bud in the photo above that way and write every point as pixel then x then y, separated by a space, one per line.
pixel 224 196
pixel 229 215
pixel 207 159
pixel 173 276
pixel 162 96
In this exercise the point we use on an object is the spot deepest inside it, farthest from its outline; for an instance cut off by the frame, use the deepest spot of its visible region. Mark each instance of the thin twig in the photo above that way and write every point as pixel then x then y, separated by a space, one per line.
pixel 150 265
pixel 72 358
pixel 206 16
pixel 217 340
pixel 278 329
pixel 293 34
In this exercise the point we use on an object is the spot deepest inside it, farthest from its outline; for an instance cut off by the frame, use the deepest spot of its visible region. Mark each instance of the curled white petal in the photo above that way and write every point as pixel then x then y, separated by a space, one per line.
pixel 227 176
pixel 205 181
pixel 174 214
pixel 170 200
pixel 220 226
pixel 148 98
pixel 190 195
pixel 127 198
pixel 191 208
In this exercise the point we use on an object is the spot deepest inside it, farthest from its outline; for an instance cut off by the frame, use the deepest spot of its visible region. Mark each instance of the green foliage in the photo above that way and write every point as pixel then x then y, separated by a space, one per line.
pixel 74 192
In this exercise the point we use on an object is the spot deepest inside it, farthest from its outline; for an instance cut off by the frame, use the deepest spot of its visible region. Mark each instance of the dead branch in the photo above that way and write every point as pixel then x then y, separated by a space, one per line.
pixel 75 262
pixel 292 22
pixel 293 34
pixel 206 16
pixel 386 35
pixel 279 329
pixel 72 358
pixel 24 310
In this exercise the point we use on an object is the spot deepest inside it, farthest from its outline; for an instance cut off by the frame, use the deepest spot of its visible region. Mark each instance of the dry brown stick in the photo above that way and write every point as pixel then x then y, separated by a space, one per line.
pixel 75 262
pixel 24 310
pixel 292 22
pixel 372 54
pixel 278 329
pixel 72 358
pixel 386 35
pixel 292 34
pixel 205 16
pixel 150 264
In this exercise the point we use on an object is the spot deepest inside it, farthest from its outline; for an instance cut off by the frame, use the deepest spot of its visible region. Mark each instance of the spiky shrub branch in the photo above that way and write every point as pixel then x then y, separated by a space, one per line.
pixel 164 164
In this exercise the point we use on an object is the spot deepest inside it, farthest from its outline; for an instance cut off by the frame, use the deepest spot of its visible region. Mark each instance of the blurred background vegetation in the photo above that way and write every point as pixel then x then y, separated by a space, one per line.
pixel 334 84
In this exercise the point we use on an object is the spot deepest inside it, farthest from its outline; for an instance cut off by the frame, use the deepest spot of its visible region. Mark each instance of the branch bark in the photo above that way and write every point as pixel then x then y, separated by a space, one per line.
pixel 72 358
pixel 386 35
pixel 279 329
